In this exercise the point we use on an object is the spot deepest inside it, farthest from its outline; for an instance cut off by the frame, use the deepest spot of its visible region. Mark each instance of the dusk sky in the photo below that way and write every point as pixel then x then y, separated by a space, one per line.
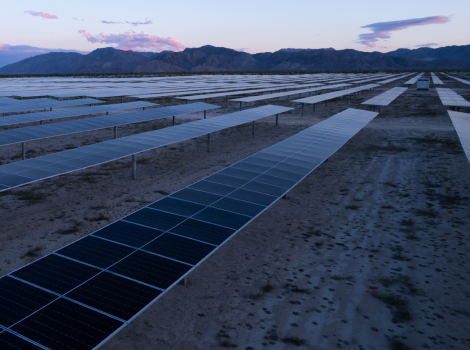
pixel 253 26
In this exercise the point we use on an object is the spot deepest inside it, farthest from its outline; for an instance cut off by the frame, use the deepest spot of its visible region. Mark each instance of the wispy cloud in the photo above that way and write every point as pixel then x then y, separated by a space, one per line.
pixel 382 30
pixel 427 45
pixel 135 24
pixel 135 41
pixel 42 14
pixel 78 19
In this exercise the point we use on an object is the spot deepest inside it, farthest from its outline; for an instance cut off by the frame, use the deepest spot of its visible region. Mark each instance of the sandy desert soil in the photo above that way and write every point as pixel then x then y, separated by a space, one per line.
pixel 369 252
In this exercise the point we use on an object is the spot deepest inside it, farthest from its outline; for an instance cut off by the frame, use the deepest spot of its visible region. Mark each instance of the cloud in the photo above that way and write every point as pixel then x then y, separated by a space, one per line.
pixel 135 24
pixel 427 45
pixel 242 49
pixel 135 41
pixel 15 53
pixel 89 37
pixel 42 14
pixel 78 19
pixel 382 30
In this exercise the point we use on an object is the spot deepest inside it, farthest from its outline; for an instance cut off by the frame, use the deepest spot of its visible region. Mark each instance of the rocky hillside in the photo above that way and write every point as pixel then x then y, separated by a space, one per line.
pixel 210 58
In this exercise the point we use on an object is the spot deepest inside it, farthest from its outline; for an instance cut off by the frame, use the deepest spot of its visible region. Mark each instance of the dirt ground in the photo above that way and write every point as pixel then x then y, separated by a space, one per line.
pixel 368 252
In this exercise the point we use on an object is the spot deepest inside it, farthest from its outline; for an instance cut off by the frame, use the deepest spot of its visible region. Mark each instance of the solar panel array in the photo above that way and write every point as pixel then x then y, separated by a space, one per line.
pixel 72 112
pixel 385 98
pixel 450 98
pixel 33 105
pixel 82 294
pixel 32 170
pixel 436 80
pixel 335 94
pixel 240 92
pixel 466 82
pixel 393 79
pixel 414 79
pixel 8 137
pixel 287 93
pixel 461 123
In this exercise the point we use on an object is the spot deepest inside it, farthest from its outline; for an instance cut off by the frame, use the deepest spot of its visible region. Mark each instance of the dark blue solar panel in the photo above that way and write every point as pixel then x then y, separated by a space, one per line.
pixel 18 300
pixel 177 206
pixel 250 167
pixel 155 218
pixel 238 206
pixel 253 197
pixel 265 188
pixel 203 231
pixel 248 175
pixel 96 251
pixel 276 181
pixel 196 196
pixel 151 269
pixel 114 295
pixel 180 248
pixel 223 218
pixel 56 273
pixel 212 187
pixel 66 325
pixel 227 180
pixel 128 233
pixel 10 341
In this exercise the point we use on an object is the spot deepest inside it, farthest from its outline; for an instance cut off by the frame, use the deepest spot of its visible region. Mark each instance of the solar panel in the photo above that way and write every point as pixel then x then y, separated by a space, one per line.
pixel 8 137
pixel 414 79
pixel 287 93
pixel 393 79
pixel 32 170
pixel 239 92
pixel 461 123
pixel 335 94
pixel 59 298
pixel 450 98
pixel 72 112
pixel 385 98
pixel 466 82
pixel 33 105
pixel 436 80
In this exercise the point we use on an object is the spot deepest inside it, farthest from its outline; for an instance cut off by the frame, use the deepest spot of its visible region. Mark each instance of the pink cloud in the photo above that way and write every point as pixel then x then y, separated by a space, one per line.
pixel 42 14
pixel 135 41
pixel 4 48
pixel 382 30
pixel 135 24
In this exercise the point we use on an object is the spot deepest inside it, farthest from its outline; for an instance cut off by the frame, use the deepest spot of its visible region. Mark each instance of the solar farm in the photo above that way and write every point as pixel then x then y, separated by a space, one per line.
pixel 321 211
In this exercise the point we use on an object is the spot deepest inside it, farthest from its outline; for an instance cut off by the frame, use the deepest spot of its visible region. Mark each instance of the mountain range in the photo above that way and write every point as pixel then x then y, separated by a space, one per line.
pixel 219 59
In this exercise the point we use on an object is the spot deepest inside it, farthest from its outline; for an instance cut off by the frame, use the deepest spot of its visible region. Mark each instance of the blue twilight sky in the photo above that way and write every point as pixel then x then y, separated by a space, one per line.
pixel 249 25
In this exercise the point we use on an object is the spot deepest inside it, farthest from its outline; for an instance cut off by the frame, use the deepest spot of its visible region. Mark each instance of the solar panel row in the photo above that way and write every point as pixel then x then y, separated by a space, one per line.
pixel 414 79
pixel 8 137
pixel 385 98
pixel 436 80
pixel 72 112
pixel 33 105
pixel 461 123
pixel 82 294
pixel 31 170
pixel 450 98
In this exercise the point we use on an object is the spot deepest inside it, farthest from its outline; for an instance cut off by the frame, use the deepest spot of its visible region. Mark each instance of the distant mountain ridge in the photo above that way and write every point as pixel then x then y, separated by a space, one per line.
pixel 211 58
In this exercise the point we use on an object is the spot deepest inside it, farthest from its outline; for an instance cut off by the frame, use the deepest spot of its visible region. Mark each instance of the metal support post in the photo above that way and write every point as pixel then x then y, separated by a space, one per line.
pixel 204 114
pixel 253 127
pixel 314 107
pixel 134 168
pixel 183 281
pixel 284 196
pixel 23 152
pixel 173 120
pixel 240 106
pixel 208 142
pixel 115 132
pixel 40 123
pixel 302 109
pixel 277 119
